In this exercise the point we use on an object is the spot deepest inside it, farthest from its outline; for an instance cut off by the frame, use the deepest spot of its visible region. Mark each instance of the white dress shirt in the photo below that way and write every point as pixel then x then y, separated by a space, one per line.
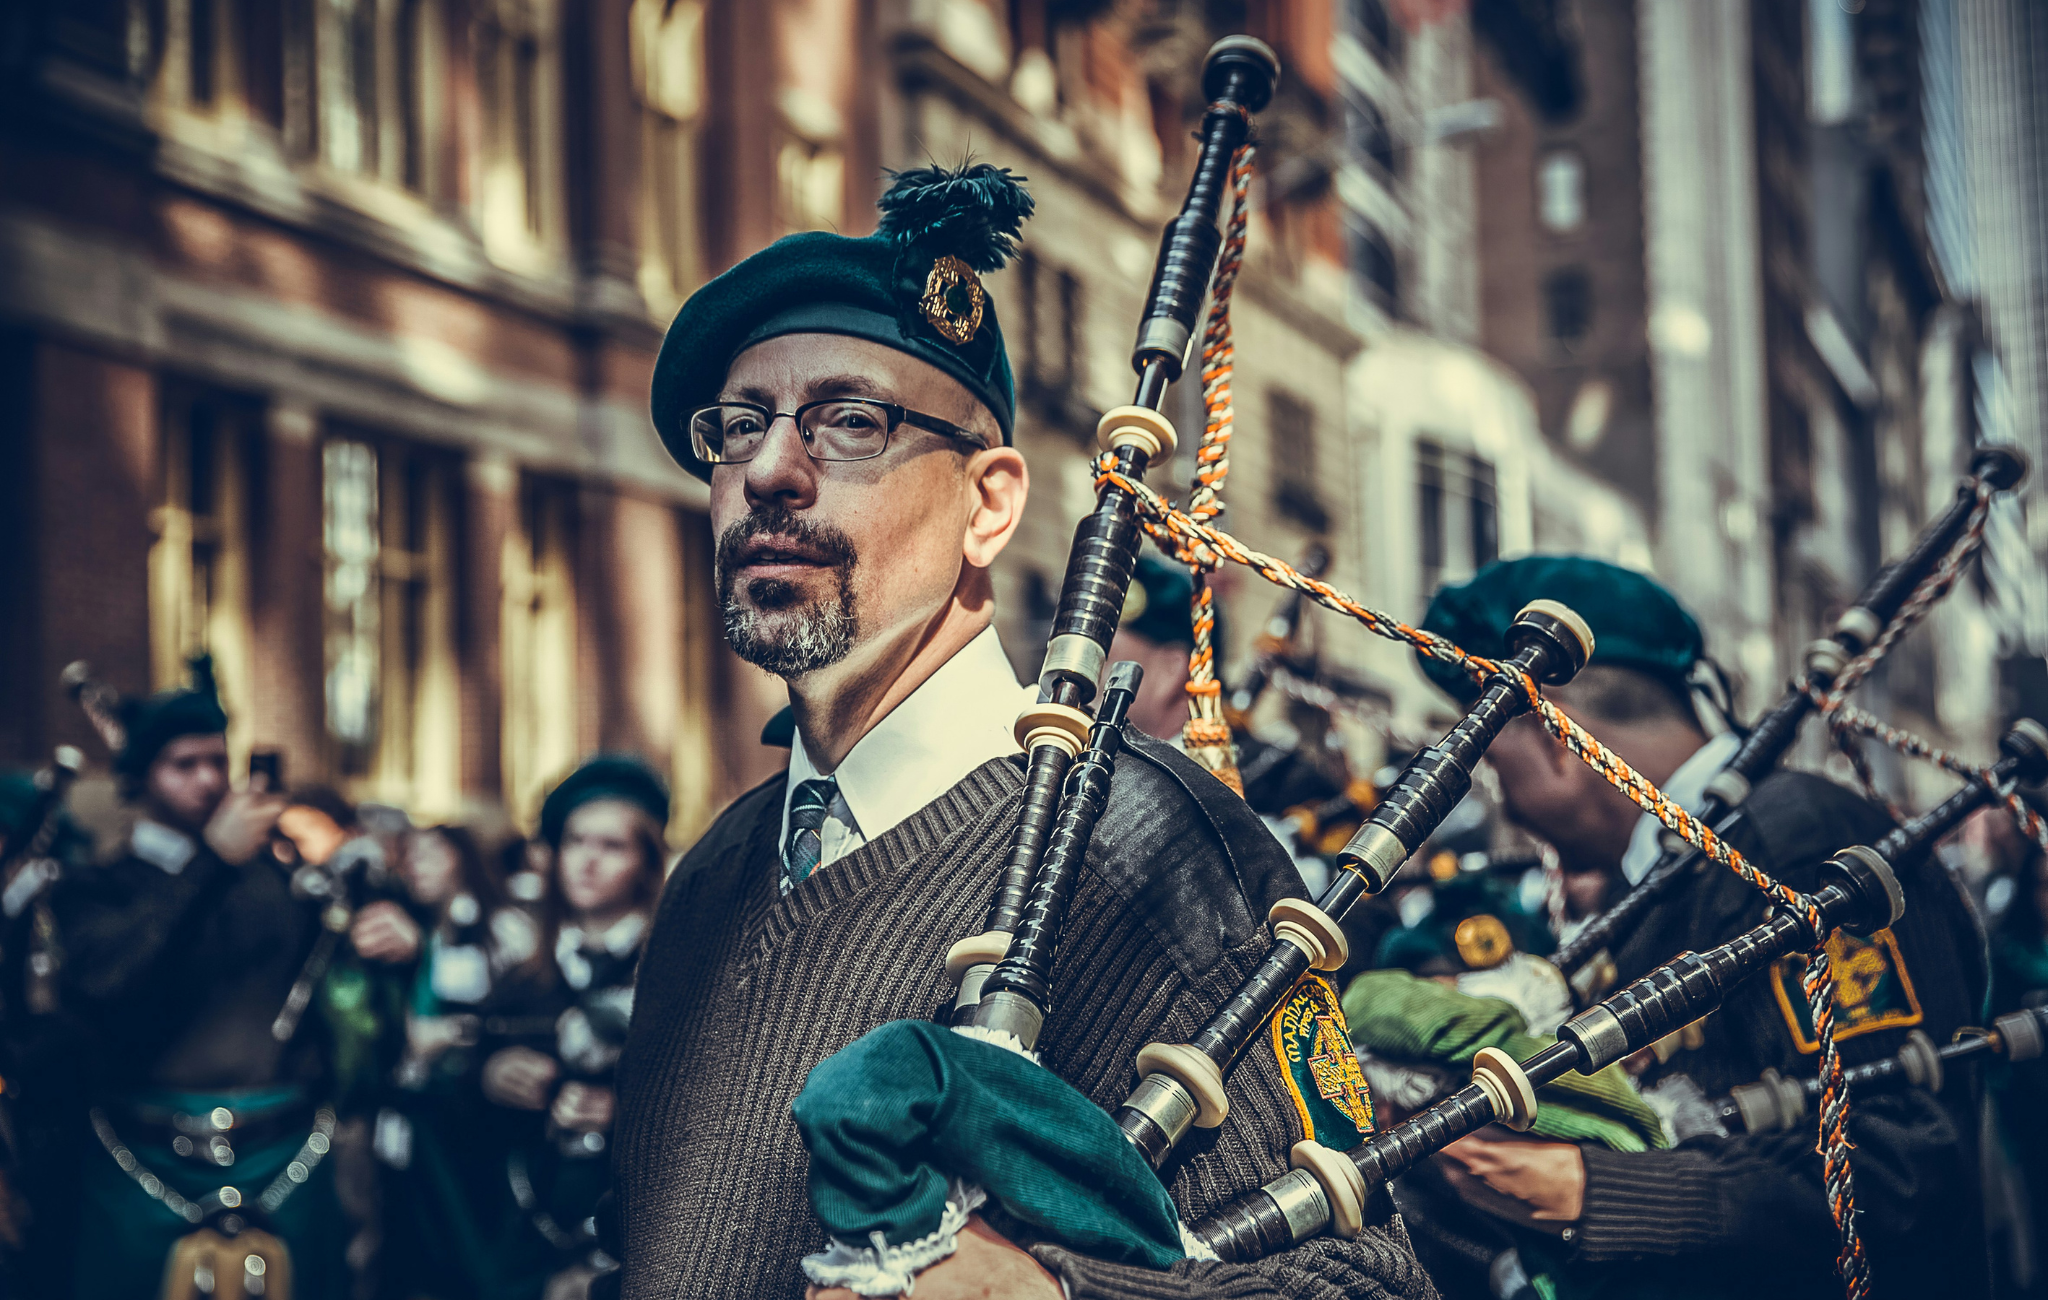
pixel 1688 789
pixel 962 716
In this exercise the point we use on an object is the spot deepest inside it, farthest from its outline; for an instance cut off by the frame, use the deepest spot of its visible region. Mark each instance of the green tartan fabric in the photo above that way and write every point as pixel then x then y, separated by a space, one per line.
pixel 1396 1015
pixel 892 1115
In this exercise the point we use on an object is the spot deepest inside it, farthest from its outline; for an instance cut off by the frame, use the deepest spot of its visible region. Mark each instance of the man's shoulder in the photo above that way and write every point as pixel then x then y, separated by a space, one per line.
pixel 733 827
pixel 1189 854
pixel 1793 821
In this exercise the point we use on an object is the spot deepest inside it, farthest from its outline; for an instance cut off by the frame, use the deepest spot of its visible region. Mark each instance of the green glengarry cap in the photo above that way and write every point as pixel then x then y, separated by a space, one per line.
pixel 157 720
pixel 1636 622
pixel 913 285
pixel 607 776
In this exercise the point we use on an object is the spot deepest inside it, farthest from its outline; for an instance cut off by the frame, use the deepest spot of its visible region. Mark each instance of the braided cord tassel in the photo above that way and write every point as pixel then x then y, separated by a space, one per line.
pixel 1837 1178
pixel 1206 734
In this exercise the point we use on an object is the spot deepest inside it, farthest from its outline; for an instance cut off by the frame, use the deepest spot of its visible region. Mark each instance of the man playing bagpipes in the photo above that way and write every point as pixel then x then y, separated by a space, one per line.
pixel 851 406
pixel 1721 1215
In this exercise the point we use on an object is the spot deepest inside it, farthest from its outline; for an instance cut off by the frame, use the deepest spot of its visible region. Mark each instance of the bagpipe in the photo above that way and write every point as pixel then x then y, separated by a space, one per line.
pixel 1775 1102
pixel 916 1125
pixel 1859 893
pixel 1897 598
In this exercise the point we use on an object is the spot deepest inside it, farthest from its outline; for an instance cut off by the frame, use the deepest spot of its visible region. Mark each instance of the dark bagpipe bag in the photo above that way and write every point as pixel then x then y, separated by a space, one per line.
pixel 911 1125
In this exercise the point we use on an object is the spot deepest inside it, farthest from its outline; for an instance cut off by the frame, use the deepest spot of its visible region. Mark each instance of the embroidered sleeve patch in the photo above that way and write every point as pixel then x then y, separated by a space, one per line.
pixel 1313 1048
pixel 1873 990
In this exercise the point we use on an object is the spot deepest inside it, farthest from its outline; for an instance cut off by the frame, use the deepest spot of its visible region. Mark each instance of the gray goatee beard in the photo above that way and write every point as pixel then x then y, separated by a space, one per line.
pixel 770 622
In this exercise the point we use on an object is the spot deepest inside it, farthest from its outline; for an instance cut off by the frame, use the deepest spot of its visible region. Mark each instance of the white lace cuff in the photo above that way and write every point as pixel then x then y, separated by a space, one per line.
pixel 997 1038
pixel 882 1269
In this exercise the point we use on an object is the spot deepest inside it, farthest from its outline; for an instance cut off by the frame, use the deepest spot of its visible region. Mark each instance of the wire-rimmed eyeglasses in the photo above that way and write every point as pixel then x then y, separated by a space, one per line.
pixel 836 428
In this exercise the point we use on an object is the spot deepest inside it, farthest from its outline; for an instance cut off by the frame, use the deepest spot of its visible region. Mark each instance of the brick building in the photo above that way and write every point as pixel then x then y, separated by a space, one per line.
pixel 327 327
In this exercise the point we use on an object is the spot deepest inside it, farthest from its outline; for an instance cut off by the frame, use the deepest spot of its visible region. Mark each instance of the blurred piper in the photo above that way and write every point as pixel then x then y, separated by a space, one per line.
pixel 446 1198
pixel 206 1159
pixel 1719 1214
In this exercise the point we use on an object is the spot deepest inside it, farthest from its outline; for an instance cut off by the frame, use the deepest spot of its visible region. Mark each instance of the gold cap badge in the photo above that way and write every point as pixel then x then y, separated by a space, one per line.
pixel 1483 941
pixel 953 300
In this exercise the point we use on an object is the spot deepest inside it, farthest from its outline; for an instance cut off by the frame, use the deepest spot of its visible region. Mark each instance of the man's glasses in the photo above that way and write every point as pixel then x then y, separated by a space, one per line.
pixel 837 428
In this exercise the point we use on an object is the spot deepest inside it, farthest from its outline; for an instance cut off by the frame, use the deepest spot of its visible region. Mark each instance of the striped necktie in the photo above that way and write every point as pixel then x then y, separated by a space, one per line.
pixel 808 808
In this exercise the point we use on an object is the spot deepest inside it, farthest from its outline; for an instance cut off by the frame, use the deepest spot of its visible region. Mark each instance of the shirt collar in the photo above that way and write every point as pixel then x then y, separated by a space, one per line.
pixel 960 717
pixel 161 846
pixel 1688 789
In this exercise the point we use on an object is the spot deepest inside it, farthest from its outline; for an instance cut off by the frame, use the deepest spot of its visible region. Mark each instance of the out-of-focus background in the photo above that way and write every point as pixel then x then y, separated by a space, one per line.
pixel 326 328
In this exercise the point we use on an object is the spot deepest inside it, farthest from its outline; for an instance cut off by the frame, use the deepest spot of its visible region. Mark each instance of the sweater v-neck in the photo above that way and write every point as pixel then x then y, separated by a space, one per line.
pixel 773 918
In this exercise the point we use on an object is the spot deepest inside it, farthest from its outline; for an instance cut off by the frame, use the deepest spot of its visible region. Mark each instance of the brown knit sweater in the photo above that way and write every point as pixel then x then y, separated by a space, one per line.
pixel 743 991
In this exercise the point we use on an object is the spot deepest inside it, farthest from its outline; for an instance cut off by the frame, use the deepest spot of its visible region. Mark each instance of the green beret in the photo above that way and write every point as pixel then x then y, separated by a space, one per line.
pixel 156 721
pixel 1636 623
pixel 607 776
pixel 1431 945
pixel 912 285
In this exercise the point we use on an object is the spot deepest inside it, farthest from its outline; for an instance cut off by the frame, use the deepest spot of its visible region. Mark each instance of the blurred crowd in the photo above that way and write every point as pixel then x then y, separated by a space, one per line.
pixel 381 1069
pixel 263 1041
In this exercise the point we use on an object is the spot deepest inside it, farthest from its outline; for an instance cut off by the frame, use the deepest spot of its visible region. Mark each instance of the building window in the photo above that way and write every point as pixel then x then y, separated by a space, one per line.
pixel 199 558
pixel 348 532
pixel 1561 191
pixel 539 628
pixel 1365 131
pixel 1055 372
pixel 1568 303
pixel 192 46
pixel 1374 272
pixel 1457 514
pixel 1292 436
pixel 1368 21
pixel 387 534
pixel 417 85
pixel 668 78
pixel 810 179
pixel 377 74
pixel 519 92
pixel 1830 62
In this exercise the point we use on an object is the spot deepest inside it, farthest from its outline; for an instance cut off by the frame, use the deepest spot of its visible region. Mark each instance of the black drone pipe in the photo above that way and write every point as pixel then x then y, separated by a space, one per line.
pixel 1776 1102
pixel 1181 1084
pixel 1238 79
pixel 1861 894
pixel 1018 995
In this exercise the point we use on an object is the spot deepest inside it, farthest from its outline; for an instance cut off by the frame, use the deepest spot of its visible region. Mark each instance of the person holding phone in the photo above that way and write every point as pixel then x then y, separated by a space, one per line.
pixel 205 1089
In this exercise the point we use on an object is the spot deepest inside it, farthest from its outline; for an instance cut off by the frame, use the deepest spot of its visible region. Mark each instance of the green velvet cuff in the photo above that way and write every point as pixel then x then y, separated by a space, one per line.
pixel 913 1111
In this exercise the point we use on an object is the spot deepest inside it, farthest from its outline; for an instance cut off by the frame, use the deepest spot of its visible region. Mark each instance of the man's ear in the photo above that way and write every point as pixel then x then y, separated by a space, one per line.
pixel 998 483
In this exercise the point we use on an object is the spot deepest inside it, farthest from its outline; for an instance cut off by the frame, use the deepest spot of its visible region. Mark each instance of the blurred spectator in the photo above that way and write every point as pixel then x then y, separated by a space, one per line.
pixel 604 823
pixel 446 1198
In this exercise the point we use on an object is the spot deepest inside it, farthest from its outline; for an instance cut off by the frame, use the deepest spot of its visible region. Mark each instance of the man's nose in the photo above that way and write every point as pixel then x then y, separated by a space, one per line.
pixel 782 471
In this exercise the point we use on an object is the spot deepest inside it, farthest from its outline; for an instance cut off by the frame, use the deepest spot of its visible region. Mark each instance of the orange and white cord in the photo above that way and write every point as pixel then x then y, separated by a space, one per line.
pixel 1206 734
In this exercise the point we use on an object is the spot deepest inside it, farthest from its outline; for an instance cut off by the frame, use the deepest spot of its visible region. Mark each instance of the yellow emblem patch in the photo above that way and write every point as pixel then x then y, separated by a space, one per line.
pixel 1873 990
pixel 1313 1047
